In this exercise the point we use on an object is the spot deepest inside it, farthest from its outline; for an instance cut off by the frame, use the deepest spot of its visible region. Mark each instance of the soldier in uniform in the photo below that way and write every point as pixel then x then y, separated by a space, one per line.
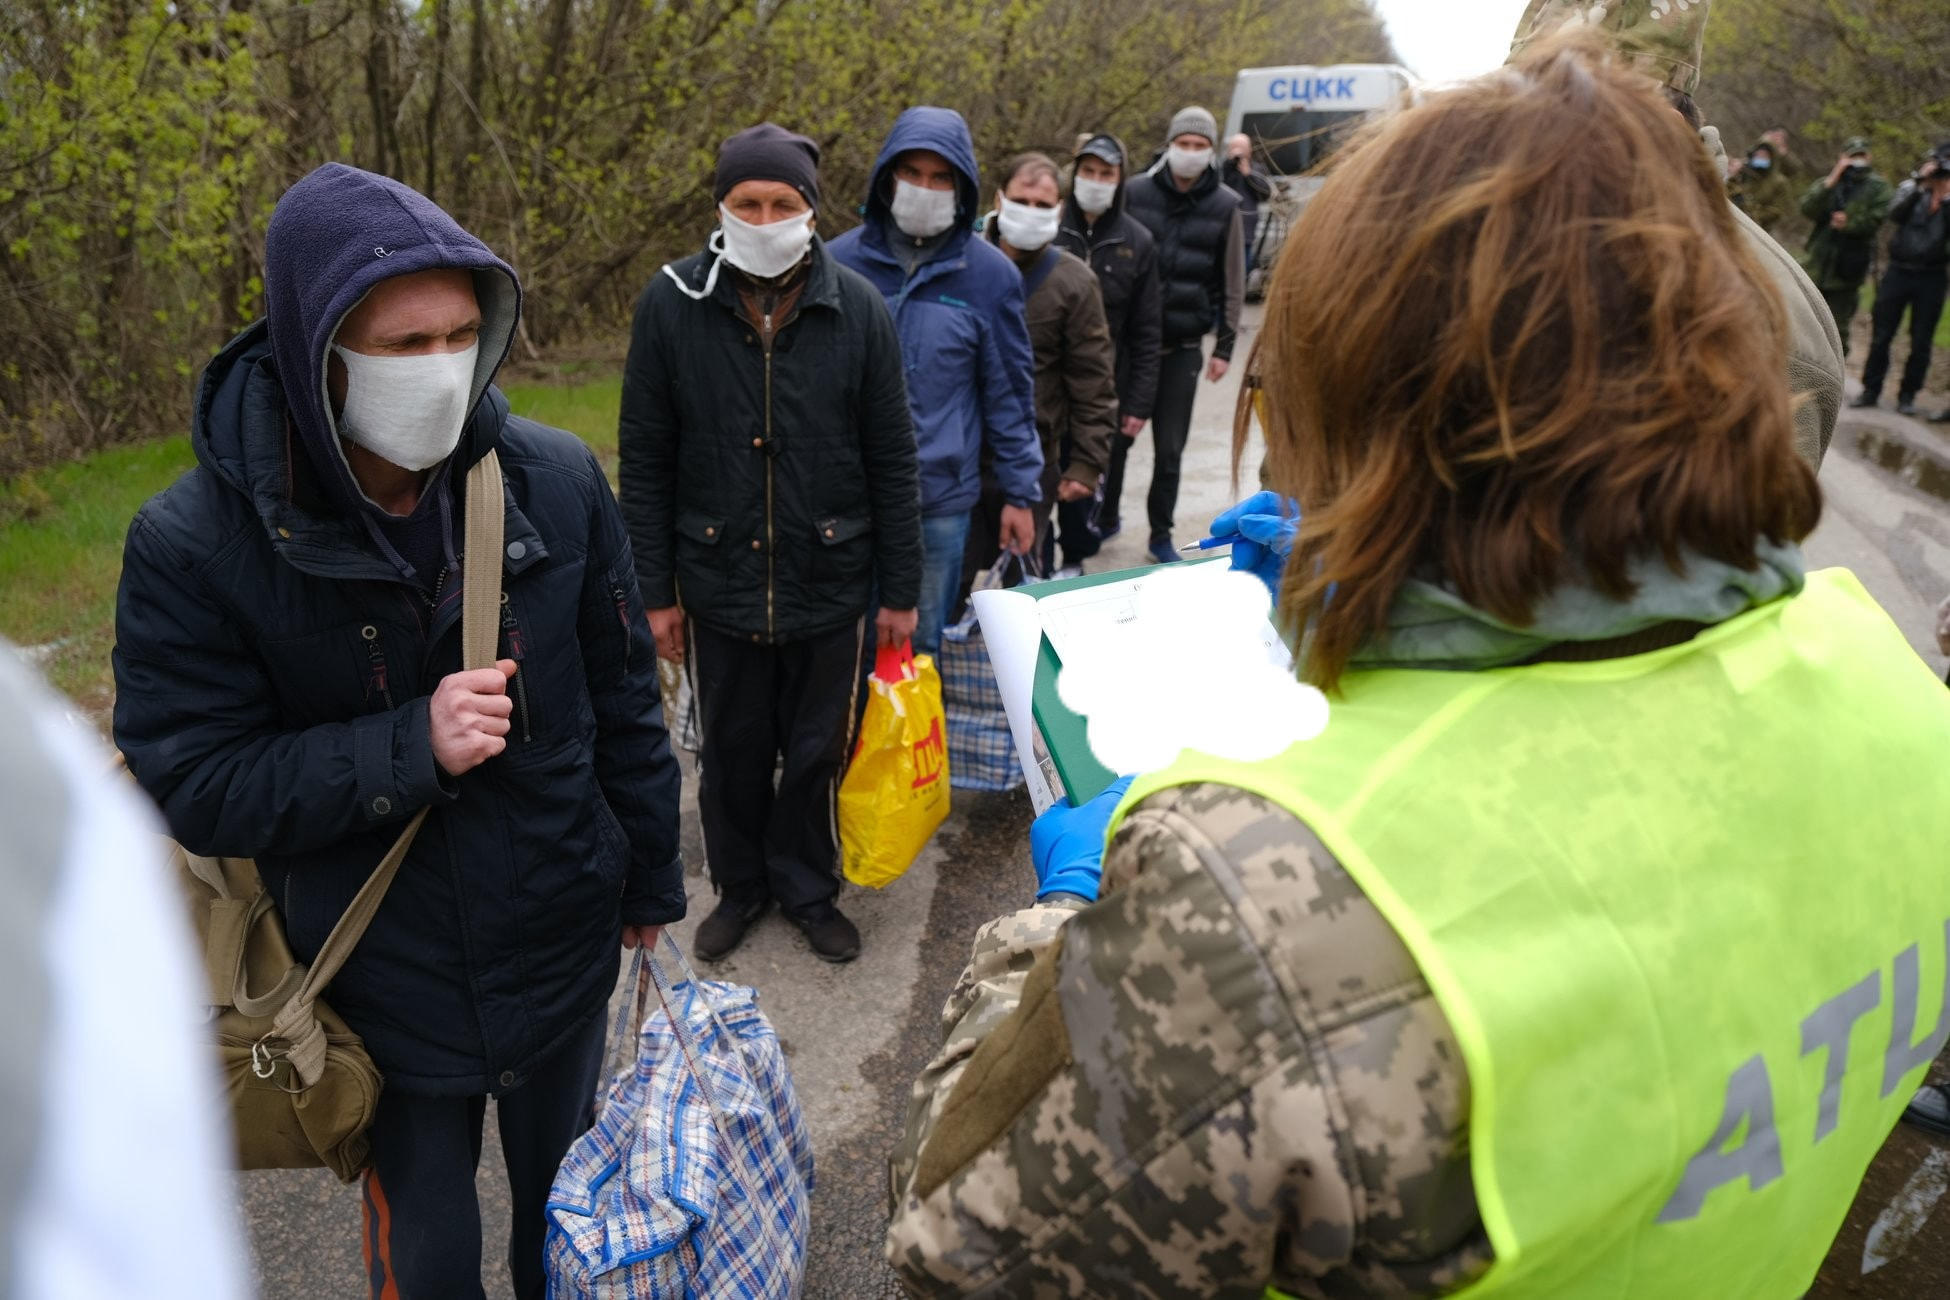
pixel 1484 983
pixel 1759 188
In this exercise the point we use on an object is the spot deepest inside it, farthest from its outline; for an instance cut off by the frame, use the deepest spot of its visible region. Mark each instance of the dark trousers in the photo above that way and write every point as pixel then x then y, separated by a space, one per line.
pixel 422 1234
pixel 1842 305
pixel 1171 425
pixel 1919 292
pixel 757 705
pixel 1113 493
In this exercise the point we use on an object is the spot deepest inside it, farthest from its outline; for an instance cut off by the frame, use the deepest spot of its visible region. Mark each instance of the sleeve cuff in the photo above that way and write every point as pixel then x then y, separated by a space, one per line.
pixel 393 764
pixel 1063 898
pixel 655 897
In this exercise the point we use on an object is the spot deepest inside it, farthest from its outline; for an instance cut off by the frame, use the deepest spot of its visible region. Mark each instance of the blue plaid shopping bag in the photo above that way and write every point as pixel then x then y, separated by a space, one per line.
pixel 696 1180
pixel 981 749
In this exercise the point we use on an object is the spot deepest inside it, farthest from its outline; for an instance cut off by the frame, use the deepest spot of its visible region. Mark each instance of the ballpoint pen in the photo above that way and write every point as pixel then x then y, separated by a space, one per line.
pixel 1211 543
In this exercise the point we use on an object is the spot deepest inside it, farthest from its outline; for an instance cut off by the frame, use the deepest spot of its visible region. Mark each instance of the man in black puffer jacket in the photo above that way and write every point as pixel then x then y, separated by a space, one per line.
pixel 288 688
pixel 1202 268
pixel 769 477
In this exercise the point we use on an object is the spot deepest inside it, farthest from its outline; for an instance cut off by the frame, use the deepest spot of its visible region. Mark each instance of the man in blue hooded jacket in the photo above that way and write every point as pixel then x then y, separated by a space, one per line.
pixel 958 308
pixel 288 688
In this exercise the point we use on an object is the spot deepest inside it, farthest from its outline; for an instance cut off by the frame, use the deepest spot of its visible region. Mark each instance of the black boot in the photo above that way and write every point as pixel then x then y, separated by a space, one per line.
pixel 832 936
pixel 1867 401
pixel 725 928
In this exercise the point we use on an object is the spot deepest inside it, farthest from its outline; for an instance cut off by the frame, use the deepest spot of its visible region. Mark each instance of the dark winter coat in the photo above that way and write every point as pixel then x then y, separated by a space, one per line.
pixel 273 671
pixel 1922 237
pixel 1201 254
pixel 1076 372
pixel 1125 257
pixel 766 487
pixel 970 373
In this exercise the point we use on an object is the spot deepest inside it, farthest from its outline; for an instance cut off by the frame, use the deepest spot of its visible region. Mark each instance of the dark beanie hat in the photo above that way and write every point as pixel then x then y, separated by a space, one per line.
pixel 768 153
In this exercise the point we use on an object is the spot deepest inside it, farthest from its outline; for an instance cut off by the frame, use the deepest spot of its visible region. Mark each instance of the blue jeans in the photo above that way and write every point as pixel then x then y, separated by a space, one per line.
pixel 943 538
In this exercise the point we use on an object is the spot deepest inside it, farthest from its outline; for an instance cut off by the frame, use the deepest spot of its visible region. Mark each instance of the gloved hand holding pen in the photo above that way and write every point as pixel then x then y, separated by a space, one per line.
pixel 1265 525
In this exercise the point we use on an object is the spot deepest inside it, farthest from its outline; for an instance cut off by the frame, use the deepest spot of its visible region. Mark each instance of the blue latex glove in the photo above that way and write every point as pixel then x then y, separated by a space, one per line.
pixel 1067 844
pixel 1267 522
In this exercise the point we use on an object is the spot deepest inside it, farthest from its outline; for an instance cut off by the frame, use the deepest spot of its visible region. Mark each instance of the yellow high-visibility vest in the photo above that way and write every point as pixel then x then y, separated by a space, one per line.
pixel 1687 914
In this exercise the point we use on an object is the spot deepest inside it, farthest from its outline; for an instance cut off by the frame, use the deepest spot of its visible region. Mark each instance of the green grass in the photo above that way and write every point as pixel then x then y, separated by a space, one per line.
pixel 61 533
pixel 1942 340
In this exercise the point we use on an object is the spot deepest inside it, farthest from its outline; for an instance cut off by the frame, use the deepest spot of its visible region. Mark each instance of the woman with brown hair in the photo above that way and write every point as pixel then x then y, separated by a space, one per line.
pixel 1593 948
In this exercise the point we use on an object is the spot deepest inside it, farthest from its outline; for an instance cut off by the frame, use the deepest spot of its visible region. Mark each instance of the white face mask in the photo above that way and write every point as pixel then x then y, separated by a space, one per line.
pixel 1094 197
pixel 922 213
pixel 1027 228
pixel 407 410
pixel 1186 164
pixel 767 250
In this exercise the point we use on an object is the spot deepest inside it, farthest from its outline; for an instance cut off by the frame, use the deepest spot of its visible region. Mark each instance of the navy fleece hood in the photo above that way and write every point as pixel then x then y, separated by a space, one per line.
pixel 943 131
pixel 333 236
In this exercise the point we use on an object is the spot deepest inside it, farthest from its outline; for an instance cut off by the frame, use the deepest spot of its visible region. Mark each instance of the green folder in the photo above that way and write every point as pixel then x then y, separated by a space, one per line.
pixel 1065 733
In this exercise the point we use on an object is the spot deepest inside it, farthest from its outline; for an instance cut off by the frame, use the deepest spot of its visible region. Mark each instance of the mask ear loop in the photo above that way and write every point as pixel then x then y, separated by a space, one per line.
pixel 714 246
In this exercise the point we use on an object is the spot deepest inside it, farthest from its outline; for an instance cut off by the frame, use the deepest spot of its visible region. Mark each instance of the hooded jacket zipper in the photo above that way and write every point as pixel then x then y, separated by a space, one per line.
pixel 520 682
pixel 771 561
pixel 377 676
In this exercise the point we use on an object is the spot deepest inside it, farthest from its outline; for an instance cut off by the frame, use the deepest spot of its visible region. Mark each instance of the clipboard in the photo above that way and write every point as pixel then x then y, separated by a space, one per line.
pixel 1065 733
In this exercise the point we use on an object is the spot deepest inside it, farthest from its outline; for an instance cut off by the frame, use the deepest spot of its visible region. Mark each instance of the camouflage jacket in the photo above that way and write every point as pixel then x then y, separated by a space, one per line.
pixel 1227 1073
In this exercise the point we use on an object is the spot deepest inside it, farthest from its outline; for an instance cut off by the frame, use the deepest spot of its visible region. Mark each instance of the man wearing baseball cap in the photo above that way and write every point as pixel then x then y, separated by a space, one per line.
pixel 769 477
pixel 1125 257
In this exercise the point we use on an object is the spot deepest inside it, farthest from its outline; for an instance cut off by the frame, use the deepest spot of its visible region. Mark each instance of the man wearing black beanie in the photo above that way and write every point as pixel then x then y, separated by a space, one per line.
pixel 768 476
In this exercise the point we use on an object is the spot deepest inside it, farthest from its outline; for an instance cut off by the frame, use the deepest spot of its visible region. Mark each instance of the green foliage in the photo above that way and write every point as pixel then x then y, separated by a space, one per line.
pixel 1828 70
pixel 127 138
pixel 144 142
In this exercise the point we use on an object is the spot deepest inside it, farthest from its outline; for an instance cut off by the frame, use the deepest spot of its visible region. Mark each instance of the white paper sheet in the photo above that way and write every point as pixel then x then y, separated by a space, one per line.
pixel 1089 621
pixel 1013 633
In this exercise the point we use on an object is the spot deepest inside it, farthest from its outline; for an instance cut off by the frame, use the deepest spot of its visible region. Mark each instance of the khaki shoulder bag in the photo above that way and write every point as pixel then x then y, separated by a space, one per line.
pixel 301 1087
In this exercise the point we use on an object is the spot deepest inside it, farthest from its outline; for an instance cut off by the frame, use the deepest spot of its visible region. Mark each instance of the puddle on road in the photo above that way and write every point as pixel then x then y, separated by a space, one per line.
pixel 1917 468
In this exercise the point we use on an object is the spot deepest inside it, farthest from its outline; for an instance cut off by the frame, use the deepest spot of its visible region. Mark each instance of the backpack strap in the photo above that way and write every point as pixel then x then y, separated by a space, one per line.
pixel 1033 278
pixel 296 1022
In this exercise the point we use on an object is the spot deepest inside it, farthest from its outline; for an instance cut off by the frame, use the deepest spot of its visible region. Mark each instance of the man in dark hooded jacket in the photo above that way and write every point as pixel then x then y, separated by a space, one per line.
pixel 288 689
pixel 1125 257
pixel 957 303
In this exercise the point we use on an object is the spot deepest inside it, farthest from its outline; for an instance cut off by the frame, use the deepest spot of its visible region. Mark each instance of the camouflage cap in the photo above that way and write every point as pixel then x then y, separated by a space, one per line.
pixel 1855 144
pixel 1663 36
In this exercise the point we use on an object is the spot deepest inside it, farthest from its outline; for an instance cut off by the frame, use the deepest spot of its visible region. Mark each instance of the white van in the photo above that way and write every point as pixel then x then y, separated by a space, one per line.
pixel 1297 117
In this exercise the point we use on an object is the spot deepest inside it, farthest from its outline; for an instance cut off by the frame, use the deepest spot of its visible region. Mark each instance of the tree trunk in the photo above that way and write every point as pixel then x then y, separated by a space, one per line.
pixel 436 92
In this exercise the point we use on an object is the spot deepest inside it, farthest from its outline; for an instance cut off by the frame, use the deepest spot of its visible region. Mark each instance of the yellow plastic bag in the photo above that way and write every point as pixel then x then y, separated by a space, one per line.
pixel 896 791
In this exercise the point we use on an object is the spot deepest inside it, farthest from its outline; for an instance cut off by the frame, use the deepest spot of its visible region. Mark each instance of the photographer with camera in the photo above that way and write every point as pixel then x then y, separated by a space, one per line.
pixel 1847 207
pixel 1919 253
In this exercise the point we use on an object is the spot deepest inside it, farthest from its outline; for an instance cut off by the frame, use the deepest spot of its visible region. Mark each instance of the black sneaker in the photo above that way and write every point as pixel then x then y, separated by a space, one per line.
pixel 725 928
pixel 1865 403
pixel 832 936
pixel 1904 406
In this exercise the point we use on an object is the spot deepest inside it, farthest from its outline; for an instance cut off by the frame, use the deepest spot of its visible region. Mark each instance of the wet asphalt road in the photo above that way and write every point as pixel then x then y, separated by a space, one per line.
pixel 857 1035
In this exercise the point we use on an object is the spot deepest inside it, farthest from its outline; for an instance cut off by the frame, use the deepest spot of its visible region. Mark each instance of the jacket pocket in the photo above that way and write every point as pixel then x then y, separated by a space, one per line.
pixel 845 547
pixel 701 561
pixel 701 529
